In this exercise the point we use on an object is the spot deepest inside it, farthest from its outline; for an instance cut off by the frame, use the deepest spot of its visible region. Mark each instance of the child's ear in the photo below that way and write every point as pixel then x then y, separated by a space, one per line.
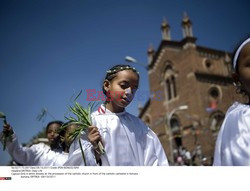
pixel 106 85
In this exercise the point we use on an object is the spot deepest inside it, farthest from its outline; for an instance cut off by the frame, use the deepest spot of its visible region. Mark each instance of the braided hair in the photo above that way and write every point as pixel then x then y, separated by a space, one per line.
pixel 112 73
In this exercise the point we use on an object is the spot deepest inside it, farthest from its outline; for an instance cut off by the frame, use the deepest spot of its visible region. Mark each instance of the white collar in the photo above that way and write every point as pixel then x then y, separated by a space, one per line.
pixel 104 111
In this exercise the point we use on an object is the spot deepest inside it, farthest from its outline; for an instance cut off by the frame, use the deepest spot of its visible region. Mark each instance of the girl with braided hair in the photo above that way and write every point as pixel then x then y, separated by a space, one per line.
pixel 126 139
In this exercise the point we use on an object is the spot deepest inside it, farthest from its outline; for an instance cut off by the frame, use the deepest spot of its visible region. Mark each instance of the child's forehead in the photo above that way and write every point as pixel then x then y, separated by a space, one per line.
pixel 127 74
pixel 53 125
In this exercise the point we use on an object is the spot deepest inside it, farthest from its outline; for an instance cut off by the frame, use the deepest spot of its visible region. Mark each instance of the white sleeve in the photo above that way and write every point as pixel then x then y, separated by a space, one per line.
pixel 160 153
pixel 233 142
pixel 75 154
pixel 154 154
pixel 24 155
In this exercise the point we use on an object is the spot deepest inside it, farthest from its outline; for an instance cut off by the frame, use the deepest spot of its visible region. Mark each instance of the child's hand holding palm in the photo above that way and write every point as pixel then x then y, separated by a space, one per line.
pixel 95 139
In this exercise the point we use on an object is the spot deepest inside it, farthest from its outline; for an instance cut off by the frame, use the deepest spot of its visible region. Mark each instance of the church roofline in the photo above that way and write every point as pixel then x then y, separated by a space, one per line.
pixel 213 51
pixel 164 43
pixel 180 44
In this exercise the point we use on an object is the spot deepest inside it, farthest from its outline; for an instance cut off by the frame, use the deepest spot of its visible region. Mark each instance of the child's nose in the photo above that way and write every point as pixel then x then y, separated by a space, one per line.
pixel 53 133
pixel 129 94
pixel 128 91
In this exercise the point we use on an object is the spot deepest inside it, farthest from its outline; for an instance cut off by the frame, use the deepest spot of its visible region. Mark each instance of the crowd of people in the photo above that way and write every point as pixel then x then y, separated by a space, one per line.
pixel 184 157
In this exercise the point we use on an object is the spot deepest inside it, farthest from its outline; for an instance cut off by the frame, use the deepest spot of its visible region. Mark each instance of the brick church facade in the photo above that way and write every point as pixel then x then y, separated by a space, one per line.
pixel 192 90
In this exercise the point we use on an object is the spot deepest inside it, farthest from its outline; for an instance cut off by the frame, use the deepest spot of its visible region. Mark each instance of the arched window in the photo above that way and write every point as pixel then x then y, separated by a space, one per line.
pixel 168 89
pixel 176 131
pixel 174 86
pixel 214 96
pixel 170 80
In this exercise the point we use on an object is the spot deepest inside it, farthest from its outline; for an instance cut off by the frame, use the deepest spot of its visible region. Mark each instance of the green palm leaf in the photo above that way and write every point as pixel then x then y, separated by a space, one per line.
pixel 83 121
pixel 6 135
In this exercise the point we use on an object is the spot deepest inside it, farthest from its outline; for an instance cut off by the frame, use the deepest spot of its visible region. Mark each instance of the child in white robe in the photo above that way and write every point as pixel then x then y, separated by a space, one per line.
pixel 38 154
pixel 233 141
pixel 127 140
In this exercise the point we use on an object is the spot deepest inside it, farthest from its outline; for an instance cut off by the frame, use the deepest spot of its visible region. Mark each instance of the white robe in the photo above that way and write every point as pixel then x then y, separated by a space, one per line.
pixel 127 141
pixel 36 155
pixel 233 141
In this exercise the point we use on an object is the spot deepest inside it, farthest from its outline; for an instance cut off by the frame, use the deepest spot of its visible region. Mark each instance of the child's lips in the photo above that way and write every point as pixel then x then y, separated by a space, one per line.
pixel 51 139
pixel 126 99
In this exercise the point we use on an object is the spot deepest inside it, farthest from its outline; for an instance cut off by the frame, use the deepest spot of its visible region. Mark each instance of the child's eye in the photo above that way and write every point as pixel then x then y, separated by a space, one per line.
pixel 123 86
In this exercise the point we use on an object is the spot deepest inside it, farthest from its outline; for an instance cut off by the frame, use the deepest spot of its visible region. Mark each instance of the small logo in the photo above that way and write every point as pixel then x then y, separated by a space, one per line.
pixel 5 178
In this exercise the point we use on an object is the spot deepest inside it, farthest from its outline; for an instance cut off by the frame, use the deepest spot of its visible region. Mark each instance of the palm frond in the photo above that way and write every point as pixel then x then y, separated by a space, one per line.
pixel 83 120
pixel 6 134
pixel 78 95
pixel 2 115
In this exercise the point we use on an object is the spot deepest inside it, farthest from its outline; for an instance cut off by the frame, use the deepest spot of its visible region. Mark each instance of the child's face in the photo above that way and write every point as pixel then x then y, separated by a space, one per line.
pixel 52 132
pixel 244 67
pixel 122 88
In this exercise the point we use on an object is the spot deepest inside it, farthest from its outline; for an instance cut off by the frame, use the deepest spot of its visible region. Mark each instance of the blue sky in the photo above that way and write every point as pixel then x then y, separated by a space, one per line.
pixel 50 49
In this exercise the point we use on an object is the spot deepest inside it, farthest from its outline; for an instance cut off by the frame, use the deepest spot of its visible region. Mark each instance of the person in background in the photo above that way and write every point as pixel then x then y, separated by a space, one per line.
pixel 38 154
pixel 233 141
